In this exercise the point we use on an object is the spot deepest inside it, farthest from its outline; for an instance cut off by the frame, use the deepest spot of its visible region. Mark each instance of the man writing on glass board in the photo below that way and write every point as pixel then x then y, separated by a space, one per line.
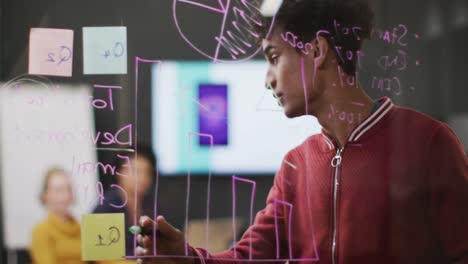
pixel 389 187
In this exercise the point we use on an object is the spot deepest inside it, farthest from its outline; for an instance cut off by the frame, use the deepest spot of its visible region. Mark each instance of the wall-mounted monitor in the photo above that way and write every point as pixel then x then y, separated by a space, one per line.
pixel 219 117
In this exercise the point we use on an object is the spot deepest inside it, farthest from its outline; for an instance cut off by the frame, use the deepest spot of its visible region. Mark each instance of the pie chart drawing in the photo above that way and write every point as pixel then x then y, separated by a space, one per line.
pixel 236 36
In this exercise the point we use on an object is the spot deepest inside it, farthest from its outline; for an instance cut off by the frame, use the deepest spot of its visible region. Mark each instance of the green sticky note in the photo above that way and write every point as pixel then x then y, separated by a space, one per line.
pixel 104 50
pixel 103 237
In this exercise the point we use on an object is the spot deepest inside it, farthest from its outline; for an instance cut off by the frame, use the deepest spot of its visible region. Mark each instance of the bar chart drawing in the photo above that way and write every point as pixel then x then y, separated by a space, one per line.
pixel 208 199
pixel 252 198
pixel 276 202
pixel 236 182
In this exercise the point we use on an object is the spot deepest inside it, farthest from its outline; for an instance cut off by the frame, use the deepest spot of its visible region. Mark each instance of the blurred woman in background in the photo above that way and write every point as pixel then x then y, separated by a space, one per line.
pixel 56 240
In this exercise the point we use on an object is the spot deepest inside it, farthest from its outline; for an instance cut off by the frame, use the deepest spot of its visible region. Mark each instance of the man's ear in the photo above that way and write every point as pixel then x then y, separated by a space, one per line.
pixel 319 52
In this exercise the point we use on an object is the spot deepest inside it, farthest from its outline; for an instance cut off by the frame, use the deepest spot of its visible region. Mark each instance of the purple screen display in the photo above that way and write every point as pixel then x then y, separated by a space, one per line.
pixel 213 113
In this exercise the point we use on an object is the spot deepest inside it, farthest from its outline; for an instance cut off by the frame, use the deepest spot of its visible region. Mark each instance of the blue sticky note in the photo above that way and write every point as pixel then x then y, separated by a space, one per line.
pixel 105 50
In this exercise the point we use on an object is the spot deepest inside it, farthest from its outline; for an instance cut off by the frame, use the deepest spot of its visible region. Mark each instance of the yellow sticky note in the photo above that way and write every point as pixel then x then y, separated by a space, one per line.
pixel 103 237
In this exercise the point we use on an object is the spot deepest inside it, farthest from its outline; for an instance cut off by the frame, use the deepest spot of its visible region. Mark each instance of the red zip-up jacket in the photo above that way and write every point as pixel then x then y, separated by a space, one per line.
pixel 396 193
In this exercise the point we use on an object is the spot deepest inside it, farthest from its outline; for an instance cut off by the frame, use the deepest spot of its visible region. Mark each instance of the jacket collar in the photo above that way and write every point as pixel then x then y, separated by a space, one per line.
pixel 365 127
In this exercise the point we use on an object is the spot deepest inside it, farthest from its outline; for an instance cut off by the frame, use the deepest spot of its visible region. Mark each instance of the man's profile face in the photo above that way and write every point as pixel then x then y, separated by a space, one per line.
pixel 285 76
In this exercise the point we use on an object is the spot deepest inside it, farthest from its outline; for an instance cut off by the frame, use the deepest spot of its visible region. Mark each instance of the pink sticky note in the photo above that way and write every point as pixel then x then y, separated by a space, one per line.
pixel 51 51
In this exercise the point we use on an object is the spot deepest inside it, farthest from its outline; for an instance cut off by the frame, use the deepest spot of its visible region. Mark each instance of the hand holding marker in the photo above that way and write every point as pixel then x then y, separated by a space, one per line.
pixel 170 242
pixel 140 231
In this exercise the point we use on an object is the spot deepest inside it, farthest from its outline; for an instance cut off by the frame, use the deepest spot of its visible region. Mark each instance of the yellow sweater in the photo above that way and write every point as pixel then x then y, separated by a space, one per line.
pixel 55 241
pixel 116 262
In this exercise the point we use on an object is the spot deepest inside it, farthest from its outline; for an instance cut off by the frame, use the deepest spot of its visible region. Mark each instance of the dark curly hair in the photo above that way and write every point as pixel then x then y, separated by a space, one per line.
pixel 343 23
